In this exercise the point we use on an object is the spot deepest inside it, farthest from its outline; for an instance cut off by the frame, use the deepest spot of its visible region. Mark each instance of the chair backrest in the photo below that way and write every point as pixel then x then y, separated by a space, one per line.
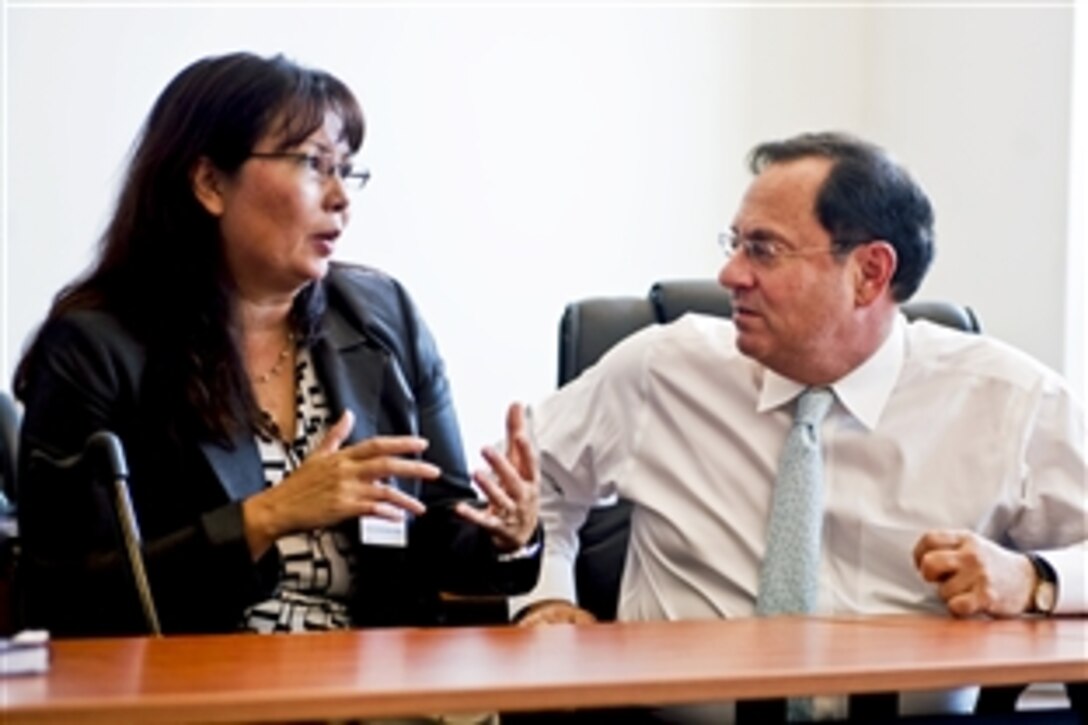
pixel 9 529
pixel 9 446
pixel 588 329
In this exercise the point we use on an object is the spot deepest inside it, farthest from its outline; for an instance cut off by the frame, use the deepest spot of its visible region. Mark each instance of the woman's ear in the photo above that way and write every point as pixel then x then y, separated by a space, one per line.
pixel 207 183
pixel 876 264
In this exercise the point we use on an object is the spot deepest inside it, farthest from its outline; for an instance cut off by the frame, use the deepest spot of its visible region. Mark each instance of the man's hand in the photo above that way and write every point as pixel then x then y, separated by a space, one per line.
pixel 974 575
pixel 554 611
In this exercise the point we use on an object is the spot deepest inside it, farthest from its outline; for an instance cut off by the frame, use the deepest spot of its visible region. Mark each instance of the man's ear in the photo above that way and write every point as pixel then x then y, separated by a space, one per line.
pixel 207 182
pixel 876 263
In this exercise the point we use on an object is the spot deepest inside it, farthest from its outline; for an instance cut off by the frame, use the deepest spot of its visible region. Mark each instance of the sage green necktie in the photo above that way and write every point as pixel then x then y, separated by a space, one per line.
pixel 789 578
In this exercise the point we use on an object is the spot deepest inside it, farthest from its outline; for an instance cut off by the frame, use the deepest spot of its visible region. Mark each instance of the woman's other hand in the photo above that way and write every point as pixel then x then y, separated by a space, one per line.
pixel 512 487
pixel 336 483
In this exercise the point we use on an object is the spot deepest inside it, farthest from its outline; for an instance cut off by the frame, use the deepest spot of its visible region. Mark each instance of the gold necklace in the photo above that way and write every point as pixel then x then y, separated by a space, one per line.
pixel 281 359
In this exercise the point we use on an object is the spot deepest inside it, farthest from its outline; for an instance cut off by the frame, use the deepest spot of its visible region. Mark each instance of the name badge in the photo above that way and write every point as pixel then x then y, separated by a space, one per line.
pixel 383 532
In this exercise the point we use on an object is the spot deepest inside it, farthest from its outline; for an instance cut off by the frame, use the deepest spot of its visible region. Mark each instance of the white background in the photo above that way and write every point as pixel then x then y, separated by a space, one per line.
pixel 528 155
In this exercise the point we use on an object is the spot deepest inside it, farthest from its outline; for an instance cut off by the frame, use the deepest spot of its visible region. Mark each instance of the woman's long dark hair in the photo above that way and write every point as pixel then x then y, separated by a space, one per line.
pixel 161 267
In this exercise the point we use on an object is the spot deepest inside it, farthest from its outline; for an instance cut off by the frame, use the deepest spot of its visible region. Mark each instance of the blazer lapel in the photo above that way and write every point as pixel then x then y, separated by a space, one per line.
pixel 238 468
pixel 352 369
pixel 362 376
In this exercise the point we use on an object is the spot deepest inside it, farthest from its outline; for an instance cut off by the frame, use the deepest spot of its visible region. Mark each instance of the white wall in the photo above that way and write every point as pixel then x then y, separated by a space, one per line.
pixel 1076 336
pixel 978 103
pixel 526 156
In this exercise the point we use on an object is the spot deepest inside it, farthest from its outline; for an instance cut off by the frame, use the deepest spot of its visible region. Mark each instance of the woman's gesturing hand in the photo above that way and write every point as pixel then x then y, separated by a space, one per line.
pixel 512 487
pixel 335 483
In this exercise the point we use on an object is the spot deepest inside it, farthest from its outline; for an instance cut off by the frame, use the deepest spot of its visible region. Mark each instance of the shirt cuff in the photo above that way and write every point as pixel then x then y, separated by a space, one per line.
pixel 1072 579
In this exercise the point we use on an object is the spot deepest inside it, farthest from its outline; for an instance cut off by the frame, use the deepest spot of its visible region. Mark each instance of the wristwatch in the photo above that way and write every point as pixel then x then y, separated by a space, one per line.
pixel 1045 595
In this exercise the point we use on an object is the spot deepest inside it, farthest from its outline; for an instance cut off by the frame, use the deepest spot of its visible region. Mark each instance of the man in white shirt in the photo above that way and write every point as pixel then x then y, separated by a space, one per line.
pixel 954 466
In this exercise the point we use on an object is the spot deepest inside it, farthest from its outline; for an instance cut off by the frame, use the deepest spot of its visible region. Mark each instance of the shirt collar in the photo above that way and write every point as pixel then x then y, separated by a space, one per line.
pixel 864 391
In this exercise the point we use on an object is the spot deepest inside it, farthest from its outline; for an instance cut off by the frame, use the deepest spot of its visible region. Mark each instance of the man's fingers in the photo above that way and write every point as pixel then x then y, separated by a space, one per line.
pixel 557 613
pixel 939 565
pixel 965 604
pixel 955 582
pixel 975 575
pixel 936 540
pixel 956 585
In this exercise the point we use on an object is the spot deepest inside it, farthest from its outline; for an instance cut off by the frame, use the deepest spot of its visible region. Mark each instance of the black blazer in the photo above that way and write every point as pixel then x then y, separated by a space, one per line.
pixel 374 356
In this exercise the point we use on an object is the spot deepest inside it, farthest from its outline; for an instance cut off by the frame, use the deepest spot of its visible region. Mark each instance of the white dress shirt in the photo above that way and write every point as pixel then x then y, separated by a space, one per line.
pixel 938 429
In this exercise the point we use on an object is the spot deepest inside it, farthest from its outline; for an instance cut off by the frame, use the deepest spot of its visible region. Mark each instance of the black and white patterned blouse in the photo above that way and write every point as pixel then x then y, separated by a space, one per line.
pixel 316 567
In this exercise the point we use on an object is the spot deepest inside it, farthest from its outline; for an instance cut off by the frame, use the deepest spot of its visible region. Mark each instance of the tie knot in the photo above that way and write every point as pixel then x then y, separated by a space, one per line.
pixel 812 406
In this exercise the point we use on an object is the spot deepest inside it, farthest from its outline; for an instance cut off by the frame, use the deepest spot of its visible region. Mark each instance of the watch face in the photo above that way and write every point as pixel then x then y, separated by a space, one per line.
pixel 1044 597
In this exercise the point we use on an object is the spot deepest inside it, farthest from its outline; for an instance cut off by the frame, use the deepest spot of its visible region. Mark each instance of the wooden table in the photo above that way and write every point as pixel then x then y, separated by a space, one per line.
pixel 403 671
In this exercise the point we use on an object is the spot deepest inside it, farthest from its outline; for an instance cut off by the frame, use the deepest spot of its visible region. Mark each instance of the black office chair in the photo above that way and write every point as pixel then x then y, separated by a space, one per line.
pixel 9 449
pixel 9 529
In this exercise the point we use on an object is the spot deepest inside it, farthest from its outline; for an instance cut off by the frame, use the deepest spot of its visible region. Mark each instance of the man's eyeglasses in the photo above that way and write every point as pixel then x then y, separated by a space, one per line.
pixel 762 251
pixel 324 166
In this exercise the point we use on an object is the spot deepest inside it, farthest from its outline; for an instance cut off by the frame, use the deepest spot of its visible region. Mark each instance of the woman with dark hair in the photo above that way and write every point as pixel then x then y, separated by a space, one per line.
pixel 295 460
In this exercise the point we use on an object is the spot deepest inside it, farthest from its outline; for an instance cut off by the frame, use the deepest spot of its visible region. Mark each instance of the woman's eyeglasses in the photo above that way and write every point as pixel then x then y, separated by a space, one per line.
pixel 326 167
